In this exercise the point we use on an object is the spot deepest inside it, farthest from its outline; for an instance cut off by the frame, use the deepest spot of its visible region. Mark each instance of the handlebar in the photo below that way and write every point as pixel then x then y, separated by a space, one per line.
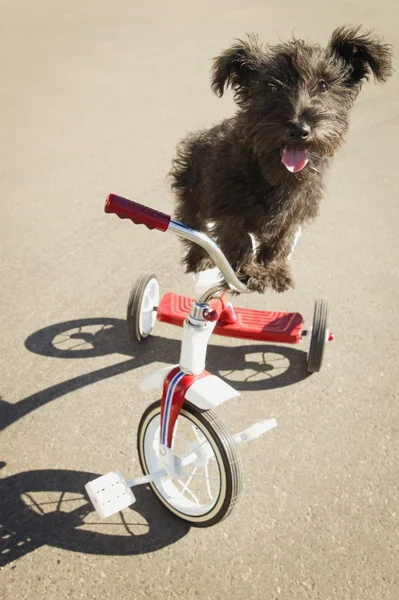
pixel 139 214
pixel 153 219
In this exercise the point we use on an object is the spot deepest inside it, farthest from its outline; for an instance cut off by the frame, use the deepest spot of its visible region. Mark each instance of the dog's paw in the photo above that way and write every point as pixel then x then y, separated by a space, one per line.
pixel 256 284
pixel 280 278
pixel 282 284
pixel 258 278
pixel 254 276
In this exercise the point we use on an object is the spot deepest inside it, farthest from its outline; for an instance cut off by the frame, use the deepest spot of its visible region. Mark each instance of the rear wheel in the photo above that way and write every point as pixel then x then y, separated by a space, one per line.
pixel 142 307
pixel 210 482
pixel 319 336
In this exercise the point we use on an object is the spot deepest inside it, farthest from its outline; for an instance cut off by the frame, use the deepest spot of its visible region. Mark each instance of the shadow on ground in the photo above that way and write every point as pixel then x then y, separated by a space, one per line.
pixel 48 508
pixel 256 366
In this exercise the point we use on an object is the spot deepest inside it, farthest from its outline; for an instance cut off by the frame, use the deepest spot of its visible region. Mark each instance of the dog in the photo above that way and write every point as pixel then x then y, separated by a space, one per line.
pixel 259 174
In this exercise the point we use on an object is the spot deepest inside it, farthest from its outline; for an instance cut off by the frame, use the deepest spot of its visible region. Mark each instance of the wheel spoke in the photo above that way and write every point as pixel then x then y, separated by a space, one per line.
pixel 197 434
pixel 189 479
pixel 186 489
pixel 203 477
pixel 208 485
pixel 227 373
pixel 192 453
pixel 264 375
pixel 83 343
pixel 269 360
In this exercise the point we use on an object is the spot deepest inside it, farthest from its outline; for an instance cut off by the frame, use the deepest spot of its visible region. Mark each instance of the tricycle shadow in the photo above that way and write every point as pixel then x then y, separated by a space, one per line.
pixel 246 367
pixel 249 366
pixel 47 507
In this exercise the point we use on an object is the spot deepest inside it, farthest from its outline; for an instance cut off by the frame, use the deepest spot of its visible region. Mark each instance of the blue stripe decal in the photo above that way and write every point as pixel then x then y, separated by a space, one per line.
pixel 168 405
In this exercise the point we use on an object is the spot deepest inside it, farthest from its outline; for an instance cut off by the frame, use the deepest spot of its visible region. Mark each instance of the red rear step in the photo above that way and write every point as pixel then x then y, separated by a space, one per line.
pixel 259 325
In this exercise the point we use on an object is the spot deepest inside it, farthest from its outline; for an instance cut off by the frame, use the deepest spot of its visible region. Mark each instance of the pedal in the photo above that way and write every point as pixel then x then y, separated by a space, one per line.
pixel 110 494
pixel 254 431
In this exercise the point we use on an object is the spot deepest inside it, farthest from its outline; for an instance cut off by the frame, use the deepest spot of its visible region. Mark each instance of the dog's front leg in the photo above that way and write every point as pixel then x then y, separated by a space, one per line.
pixel 275 275
pixel 269 267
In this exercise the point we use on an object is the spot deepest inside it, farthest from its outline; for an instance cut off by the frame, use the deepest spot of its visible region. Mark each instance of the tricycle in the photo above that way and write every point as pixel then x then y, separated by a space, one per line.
pixel 188 456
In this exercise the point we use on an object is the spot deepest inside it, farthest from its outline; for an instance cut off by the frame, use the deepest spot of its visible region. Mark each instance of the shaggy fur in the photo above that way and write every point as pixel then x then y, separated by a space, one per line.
pixel 293 96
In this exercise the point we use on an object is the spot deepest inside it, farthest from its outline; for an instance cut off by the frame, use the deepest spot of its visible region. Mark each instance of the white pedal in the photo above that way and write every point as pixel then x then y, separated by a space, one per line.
pixel 254 431
pixel 109 494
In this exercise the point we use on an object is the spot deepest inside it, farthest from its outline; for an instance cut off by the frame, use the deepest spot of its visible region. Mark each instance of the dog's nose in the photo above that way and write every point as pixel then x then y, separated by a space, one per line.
pixel 296 131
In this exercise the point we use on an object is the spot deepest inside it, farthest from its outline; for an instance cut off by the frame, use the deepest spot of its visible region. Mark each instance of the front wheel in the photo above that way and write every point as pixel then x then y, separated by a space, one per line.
pixel 211 482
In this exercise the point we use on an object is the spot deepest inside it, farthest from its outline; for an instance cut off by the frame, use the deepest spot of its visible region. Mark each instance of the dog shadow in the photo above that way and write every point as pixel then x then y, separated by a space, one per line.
pixel 47 507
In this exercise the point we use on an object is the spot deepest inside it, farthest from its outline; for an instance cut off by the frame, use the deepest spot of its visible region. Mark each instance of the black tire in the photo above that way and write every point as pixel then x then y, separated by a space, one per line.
pixel 136 298
pixel 318 336
pixel 226 453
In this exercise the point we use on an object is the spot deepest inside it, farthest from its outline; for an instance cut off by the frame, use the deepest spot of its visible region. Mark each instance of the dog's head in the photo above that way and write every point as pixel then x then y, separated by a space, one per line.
pixel 295 98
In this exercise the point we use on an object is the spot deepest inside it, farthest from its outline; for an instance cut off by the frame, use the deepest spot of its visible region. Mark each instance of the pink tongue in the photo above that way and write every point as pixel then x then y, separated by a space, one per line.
pixel 294 160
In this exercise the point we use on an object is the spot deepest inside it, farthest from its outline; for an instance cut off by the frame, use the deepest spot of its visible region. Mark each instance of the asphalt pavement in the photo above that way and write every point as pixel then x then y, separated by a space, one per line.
pixel 94 97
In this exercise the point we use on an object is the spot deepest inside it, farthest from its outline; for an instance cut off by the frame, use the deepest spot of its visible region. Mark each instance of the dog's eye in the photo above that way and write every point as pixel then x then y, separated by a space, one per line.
pixel 323 87
pixel 273 88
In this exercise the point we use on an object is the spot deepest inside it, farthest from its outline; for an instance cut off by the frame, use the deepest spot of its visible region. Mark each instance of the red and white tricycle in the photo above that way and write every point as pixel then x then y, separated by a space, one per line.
pixel 188 456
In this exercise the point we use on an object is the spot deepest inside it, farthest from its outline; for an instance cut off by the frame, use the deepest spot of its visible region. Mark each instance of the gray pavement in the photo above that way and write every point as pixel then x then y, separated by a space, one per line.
pixel 94 97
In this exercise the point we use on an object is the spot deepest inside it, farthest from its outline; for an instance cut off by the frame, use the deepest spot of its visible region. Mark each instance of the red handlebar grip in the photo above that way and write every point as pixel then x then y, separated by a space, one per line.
pixel 139 214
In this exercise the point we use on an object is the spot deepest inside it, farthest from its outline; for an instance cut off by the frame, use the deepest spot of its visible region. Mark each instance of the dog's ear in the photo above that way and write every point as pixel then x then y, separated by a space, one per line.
pixel 238 67
pixel 362 54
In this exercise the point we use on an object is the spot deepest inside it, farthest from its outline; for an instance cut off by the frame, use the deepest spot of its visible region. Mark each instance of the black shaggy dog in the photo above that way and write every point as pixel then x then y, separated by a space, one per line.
pixel 261 172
